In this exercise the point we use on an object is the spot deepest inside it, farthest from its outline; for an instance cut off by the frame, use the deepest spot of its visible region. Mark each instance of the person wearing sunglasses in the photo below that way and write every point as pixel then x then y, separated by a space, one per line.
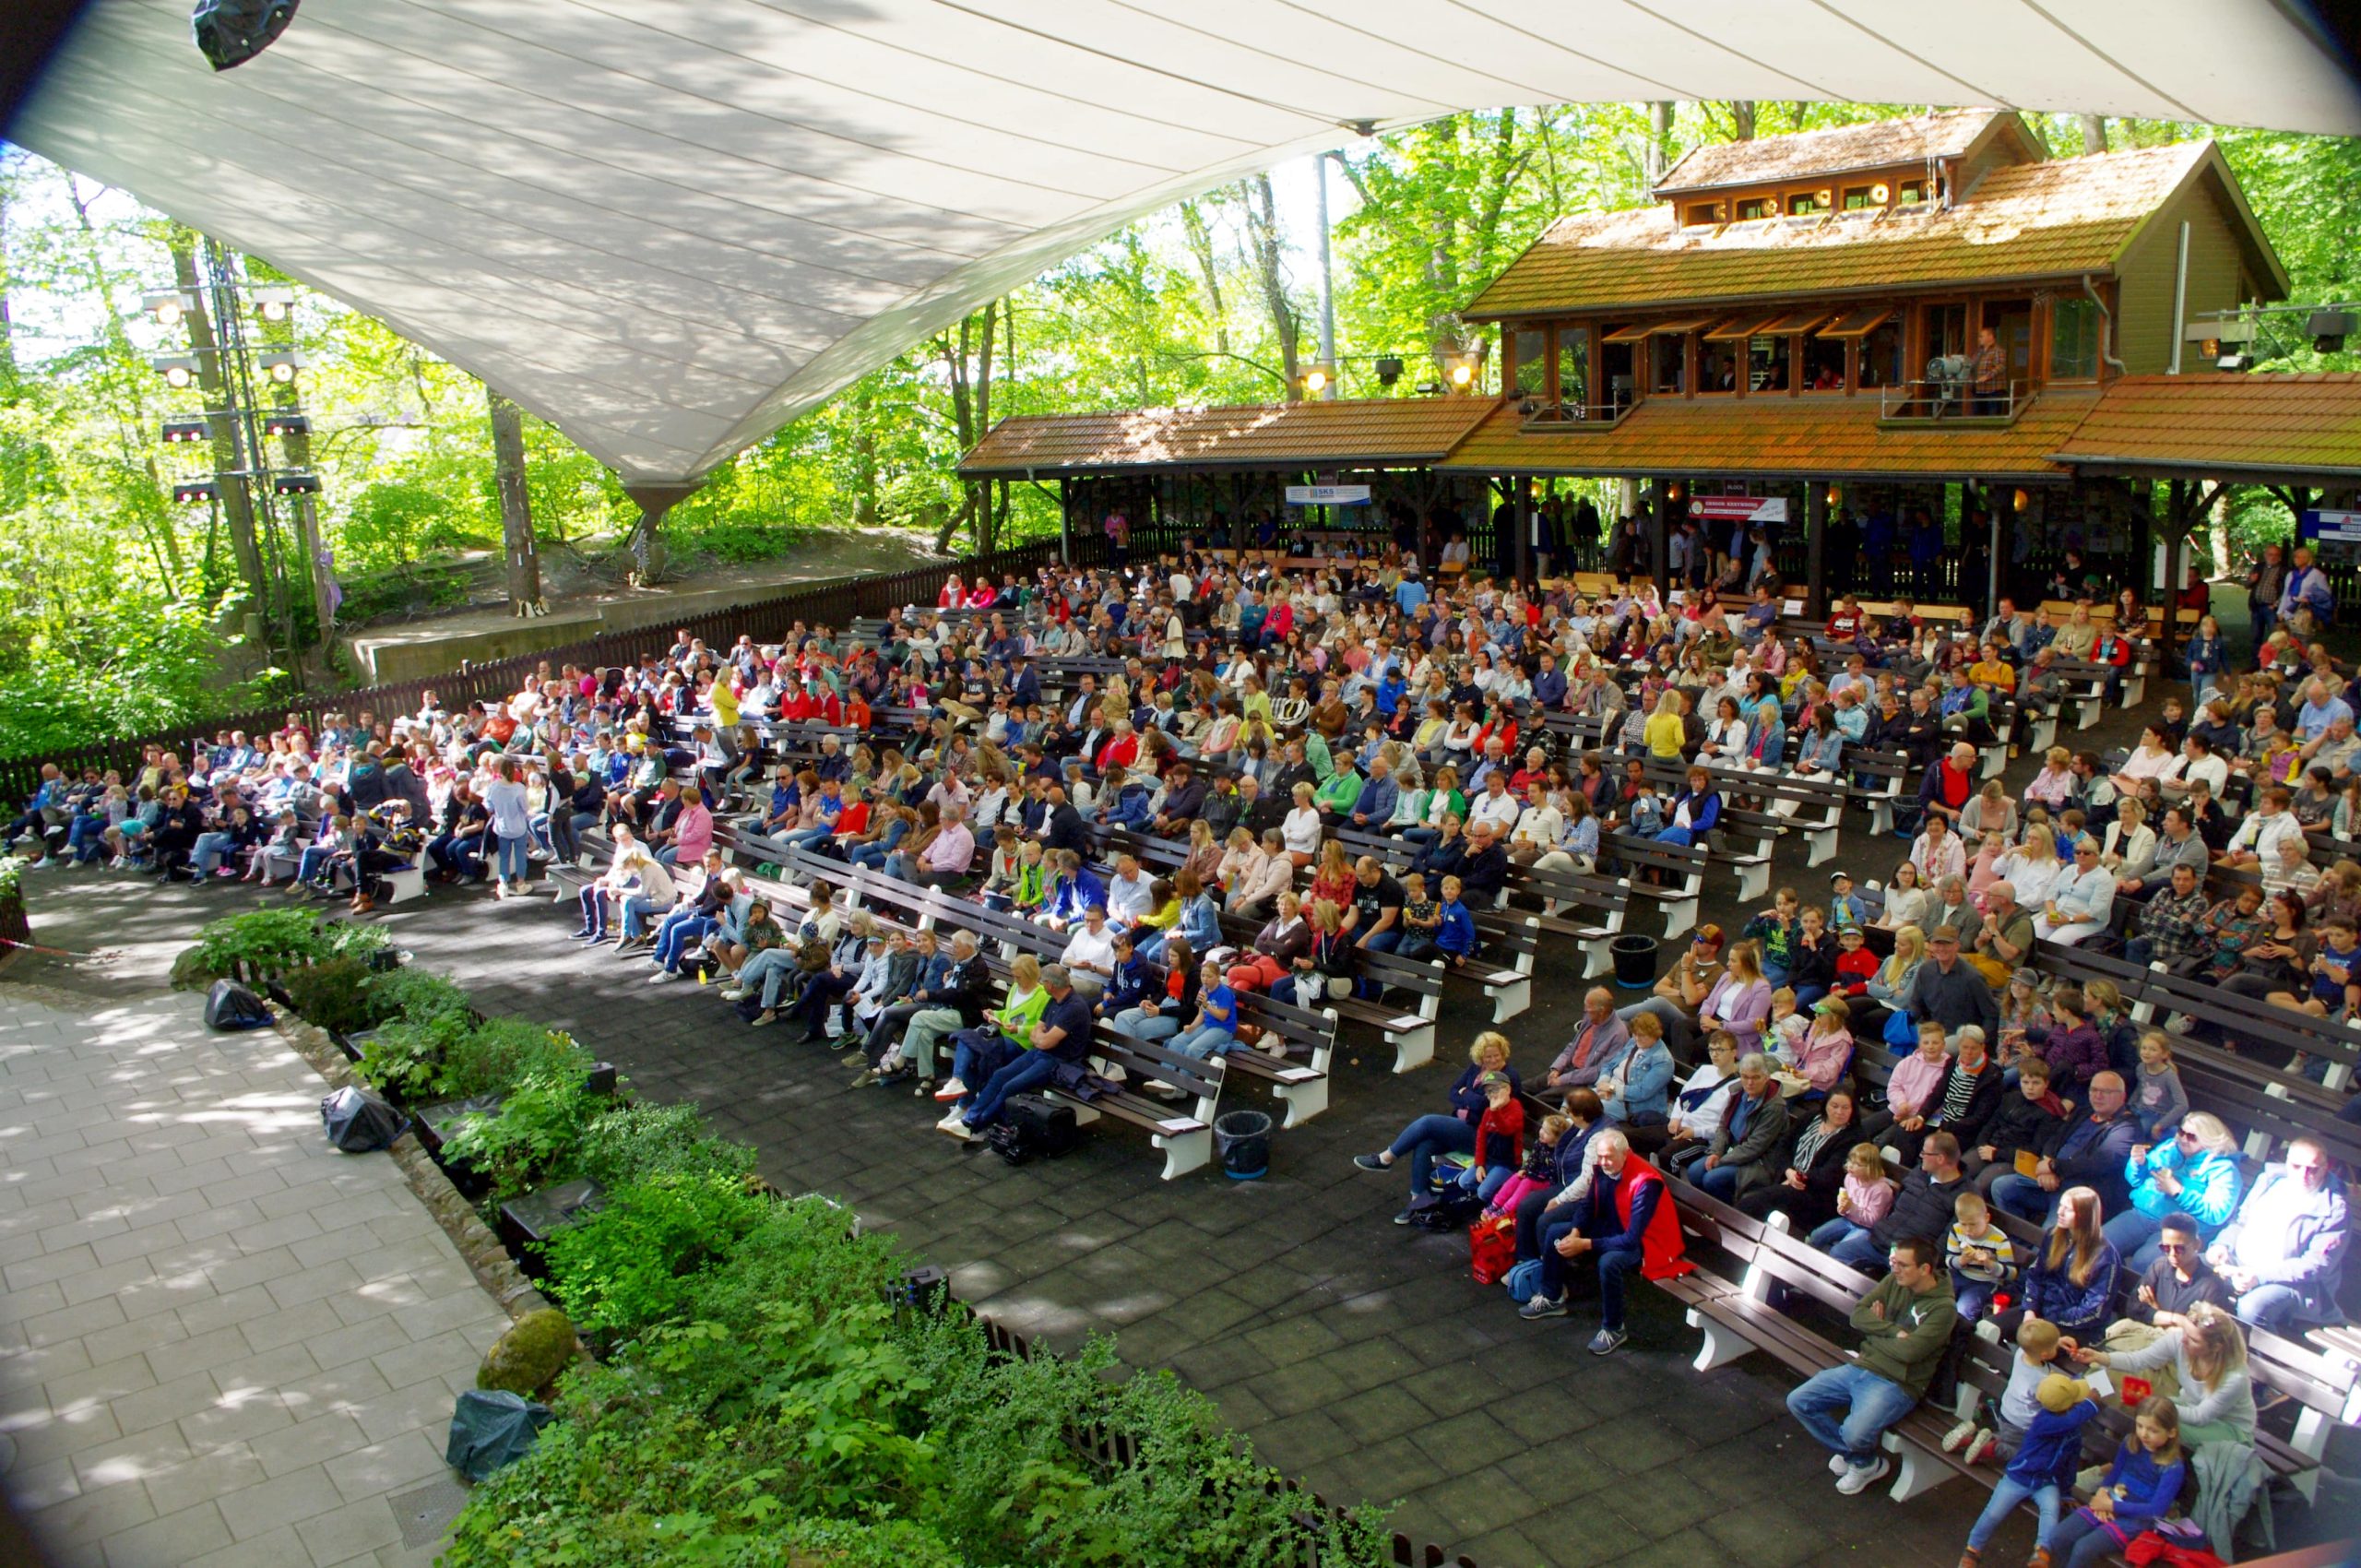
pixel 2196 1173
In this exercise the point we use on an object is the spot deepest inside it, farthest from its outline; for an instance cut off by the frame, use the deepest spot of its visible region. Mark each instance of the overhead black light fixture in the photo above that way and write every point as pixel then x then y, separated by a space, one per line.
pixel 295 484
pixel 2235 359
pixel 231 32
pixel 2330 329
pixel 284 423
pixel 196 492
pixel 169 306
pixel 187 432
pixel 1389 371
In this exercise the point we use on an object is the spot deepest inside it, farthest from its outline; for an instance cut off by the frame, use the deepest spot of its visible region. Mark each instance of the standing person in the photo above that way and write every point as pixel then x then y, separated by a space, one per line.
pixel 2306 589
pixel 1905 1324
pixel 512 827
pixel 2266 582
pixel 2042 1469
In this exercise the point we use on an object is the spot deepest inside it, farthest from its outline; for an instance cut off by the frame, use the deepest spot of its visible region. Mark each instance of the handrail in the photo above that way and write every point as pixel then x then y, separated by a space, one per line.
pixel 1941 397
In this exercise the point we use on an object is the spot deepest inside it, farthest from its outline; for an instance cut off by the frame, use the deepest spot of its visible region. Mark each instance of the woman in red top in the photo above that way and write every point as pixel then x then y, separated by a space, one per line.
pixel 981 595
pixel 953 590
pixel 1122 750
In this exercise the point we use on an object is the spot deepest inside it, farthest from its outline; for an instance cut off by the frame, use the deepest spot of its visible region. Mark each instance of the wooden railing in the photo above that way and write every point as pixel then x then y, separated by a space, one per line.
pixel 764 620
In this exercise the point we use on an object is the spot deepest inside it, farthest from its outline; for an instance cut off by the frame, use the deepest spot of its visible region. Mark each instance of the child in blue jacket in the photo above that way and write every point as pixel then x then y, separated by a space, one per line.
pixel 2043 1467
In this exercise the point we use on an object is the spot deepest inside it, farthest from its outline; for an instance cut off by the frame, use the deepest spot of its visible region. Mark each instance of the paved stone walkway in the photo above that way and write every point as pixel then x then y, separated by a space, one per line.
pixel 222 1341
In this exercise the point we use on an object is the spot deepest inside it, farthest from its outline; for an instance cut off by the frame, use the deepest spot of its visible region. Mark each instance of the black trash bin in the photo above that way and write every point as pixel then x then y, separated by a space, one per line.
pixel 1635 961
pixel 1242 1143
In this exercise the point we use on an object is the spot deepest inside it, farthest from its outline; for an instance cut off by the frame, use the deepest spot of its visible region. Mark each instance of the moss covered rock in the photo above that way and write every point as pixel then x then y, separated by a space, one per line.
pixel 535 1350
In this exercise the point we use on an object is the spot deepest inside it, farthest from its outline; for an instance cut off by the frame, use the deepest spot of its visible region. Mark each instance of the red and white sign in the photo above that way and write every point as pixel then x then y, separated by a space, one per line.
pixel 1740 508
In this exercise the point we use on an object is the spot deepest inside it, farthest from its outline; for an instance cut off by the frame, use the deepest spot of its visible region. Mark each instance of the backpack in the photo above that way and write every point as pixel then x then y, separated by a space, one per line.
pixel 1523 1280
pixel 232 1006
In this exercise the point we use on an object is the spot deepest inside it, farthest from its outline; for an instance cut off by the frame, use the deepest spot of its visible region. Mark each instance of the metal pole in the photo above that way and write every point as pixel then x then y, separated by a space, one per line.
pixel 1992 562
pixel 1327 289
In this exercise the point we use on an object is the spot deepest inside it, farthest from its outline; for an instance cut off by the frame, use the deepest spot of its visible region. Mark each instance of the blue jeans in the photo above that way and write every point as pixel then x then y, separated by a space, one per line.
pixel 2134 1234
pixel 1846 1410
pixel 1425 1138
pixel 680 929
pixel 769 969
pixel 1030 1068
pixel 1849 1244
pixel 2007 1493
pixel 1721 1181
pixel 2081 1541
pixel 312 861
pixel 208 850
pixel 637 906
pixel 809 838
pixel 1674 834
pixel 1614 1265
pixel 1210 1040
pixel 2023 1196
pixel 1144 1026
pixel 2279 1308
pixel 512 857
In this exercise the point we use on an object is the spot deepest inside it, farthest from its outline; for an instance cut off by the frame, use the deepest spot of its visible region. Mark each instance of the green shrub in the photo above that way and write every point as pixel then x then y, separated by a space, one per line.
pixel 415 995
pixel 528 1357
pixel 635 1140
pixel 271 942
pixel 501 1053
pixel 404 1059
pixel 633 1263
pixel 534 1138
pixel 335 995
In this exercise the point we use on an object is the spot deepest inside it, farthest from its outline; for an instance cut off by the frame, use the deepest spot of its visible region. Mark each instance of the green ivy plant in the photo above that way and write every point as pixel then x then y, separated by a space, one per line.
pixel 334 995
pixel 415 995
pixel 271 942
pixel 533 1139
pixel 631 1265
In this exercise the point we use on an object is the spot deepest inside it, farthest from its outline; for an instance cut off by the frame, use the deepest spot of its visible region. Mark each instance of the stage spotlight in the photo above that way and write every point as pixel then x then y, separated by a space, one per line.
pixel 178 370
pixel 286 424
pixel 1316 380
pixel 274 304
pixel 231 32
pixel 2328 330
pixel 187 432
pixel 196 492
pixel 295 484
pixel 280 365
pixel 169 306
pixel 1462 375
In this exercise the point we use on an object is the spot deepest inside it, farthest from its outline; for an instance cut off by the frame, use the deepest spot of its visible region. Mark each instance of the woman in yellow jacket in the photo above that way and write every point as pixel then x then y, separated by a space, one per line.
pixel 1666 734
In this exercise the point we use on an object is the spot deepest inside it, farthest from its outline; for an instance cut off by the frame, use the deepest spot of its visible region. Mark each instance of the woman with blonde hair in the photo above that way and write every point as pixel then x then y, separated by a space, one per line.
pixel 2054 785
pixel 2128 838
pixel 2207 1355
pixel 1205 856
pixel 1427 1138
pixel 2031 869
pixel 2195 1173
pixel 1664 733
pixel 1883 990
pixel 1262 880
pixel 1301 829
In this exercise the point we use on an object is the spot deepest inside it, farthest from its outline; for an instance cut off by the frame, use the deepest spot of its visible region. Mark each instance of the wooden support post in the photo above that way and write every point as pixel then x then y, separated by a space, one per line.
pixel 1066 523
pixel 1816 549
pixel 1524 530
pixel 1659 552
pixel 2143 543
pixel 2003 510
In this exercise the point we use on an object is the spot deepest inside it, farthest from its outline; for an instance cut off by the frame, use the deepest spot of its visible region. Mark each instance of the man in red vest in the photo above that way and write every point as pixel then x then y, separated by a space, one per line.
pixel 1627 1223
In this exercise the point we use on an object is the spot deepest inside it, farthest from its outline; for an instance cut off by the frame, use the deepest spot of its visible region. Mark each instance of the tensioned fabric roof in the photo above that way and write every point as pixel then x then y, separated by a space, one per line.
pixel 669 226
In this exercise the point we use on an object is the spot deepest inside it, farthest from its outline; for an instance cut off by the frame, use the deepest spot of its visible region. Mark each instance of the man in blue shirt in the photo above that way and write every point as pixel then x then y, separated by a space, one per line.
pixel 1409 593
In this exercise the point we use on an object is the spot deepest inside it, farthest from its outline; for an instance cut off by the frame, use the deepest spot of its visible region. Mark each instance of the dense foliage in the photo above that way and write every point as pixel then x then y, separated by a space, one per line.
pixel 271 942
pixel 765 1399
pixel 122 613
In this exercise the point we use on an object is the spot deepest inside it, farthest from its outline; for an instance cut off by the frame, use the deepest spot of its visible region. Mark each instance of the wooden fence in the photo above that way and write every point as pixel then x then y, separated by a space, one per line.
pixel 764 620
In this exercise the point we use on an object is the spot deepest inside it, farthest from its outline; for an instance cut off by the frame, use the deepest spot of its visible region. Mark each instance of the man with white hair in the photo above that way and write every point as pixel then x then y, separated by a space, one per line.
pixel 1622 1223
pixel 955 999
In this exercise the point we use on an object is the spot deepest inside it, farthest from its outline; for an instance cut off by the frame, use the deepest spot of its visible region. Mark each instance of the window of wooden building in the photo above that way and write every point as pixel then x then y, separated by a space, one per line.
pixel 1573 366
pixel 2073 338
pixel 1751 208
pixel 2012 324
pixel 1668 363
pixel 1770 364
pixel 1880 355
pixel 1824 368
pixel 1857 199
pixel 1528 361
pixel 1701 214
pixel 1618 364
pixel 1911 193
pixel 1806 204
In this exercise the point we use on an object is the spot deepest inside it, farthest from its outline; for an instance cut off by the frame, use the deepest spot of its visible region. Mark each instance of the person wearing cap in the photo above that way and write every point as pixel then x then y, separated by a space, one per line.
pixel 1681 990
pixel 2042 1470
pixel 1846 910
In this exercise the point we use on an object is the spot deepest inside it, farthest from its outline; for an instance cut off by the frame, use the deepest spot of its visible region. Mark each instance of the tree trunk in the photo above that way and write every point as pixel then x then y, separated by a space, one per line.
pixel 1263 232
pixel 2094 132
pixel 1741 119
pixel 237 495
pixel 516 504
pixel 1201 246
pixel 7 329
pixel 1660 148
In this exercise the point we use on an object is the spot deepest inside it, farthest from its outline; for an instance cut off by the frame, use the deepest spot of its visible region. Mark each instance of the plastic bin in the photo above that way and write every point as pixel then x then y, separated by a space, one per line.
pixel 1635 961
pixel 1243 1143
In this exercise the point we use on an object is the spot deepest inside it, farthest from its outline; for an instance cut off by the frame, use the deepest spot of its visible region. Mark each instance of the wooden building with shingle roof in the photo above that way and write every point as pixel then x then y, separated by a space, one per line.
pixel 1928 312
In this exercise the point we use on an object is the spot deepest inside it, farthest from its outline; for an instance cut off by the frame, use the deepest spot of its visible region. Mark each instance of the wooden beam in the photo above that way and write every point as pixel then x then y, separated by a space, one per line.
pixel 1815 549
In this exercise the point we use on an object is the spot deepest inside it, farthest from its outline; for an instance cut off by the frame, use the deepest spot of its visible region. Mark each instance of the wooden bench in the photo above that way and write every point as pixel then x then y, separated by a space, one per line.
pixel 1301 1086
pixel 1879 779
pixel 1685 862
pixel 1600 906
pixel 1186 1138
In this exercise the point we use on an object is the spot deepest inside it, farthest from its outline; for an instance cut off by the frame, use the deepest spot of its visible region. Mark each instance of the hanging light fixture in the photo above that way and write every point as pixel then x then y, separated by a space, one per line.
pixel 282 366
pixel 295 484
pixel 274 304
pixel 1316 380
pixel 169 306
pixel 2021 500
pixel 178 370
pixel 1835 494
pixel 1463 374
pixel 196 492
pixel 185 431
pixel 285 423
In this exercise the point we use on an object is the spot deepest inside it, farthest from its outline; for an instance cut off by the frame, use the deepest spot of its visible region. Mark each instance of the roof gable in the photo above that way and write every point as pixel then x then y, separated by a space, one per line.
pixel 1346 430
pixel 2056 218
pixel 1840 150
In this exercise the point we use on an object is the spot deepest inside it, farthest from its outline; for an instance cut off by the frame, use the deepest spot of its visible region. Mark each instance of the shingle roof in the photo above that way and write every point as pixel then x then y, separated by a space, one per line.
pixel 1802 437
pixel 1373 430
pixel 2287 423
pixel 1839 149
pixel 2036 220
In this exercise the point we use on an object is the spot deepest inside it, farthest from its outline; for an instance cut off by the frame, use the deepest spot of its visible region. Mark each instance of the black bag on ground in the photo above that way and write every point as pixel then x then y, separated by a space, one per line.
pixel 359 1121
pixel 1043 1127
pixel 232 1006
pixel 492 1428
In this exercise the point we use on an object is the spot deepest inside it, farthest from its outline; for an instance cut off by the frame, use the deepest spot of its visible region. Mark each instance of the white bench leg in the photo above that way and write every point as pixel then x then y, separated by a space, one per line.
pixel 1510 999
pixel 2043 733
pixel 1754 881
pixel 1600 959
pixel 1679 916
pixel 1823 842
pixel 1914 1473
pixel 1184 1152
pixel 1304 1100
pixel 1415 1048
pixel 404 885
pixel 2087 711
pixel 1721 1346
pixel 2135 689
pixel 2311 1441
pixel 1881 818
